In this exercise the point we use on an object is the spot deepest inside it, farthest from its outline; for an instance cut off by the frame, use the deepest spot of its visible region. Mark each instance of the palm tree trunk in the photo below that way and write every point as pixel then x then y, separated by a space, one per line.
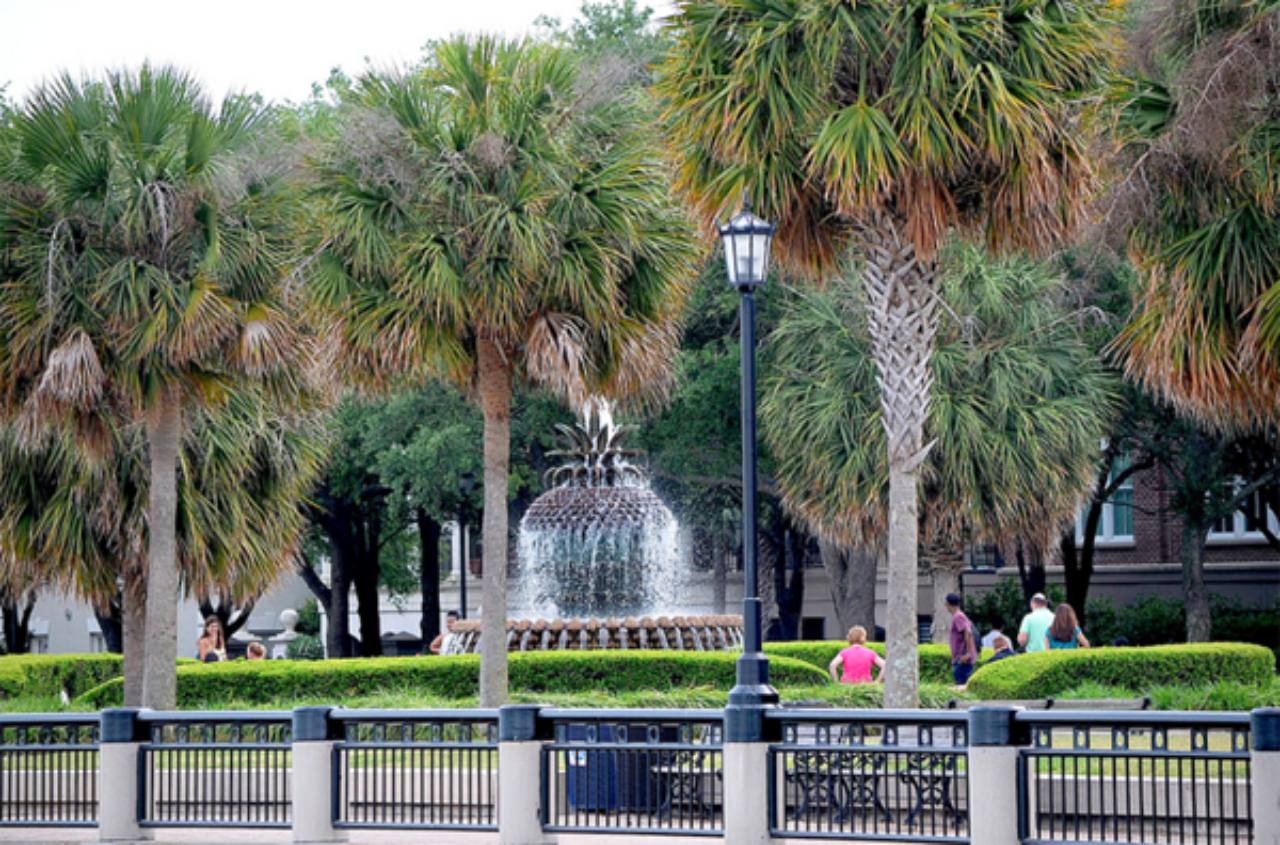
pixel 902 316
pixel 902 678
pixel 495 385
pixel 133 624
pixel 159 671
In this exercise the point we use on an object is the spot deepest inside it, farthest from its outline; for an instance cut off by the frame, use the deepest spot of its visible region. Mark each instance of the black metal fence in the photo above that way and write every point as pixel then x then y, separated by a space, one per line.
pixel 49 770
pixel 1136 778
pixel 899 774
pixel 433 769
pixel 634 771
pixel 229 769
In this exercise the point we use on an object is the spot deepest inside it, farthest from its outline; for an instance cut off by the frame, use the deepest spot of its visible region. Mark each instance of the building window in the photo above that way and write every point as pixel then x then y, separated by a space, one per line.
pixel 1115 527
pixel 1245 524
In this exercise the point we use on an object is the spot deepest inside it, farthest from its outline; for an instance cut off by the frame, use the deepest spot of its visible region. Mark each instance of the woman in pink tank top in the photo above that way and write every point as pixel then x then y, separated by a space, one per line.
pixel 856 660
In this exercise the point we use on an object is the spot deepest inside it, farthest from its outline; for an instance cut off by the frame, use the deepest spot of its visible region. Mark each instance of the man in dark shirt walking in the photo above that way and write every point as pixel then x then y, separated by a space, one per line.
pixel 964 651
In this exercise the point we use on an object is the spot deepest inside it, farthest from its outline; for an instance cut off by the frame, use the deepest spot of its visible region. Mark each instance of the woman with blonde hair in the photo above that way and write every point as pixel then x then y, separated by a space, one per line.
pixel 856 660
pixel 212 641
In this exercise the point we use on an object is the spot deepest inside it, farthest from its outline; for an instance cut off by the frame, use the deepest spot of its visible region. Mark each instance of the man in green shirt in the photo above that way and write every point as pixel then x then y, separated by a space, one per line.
pixel 1034 633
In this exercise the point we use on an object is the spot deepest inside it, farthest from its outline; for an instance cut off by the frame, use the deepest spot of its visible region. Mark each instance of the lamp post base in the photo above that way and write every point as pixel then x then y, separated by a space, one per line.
pixel 752 693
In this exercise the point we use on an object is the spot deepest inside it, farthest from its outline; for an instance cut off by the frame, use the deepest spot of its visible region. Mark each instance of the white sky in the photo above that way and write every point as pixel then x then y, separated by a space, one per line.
pixel 275 47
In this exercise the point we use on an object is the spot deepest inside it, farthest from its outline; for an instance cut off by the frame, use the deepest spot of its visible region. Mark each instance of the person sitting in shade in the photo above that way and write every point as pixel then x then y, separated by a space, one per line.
pixel 438 643
pixel 997 630
pixel 256 651
pixel 857 660
pixel 212 645
pixel 1032 636
pixel 1003 648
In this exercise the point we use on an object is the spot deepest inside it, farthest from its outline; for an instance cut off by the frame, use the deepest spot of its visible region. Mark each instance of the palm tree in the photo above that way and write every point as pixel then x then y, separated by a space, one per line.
pixel 79 522
pixel 493 218
pixel 1021 402
pixel 1196 193
pixel 144 249
pixel 876 129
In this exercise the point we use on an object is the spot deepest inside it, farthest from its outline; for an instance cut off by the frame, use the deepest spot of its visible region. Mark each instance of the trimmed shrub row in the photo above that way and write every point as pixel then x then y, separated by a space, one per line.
pixel 280 681
pixel 53 674
pixel 935 660
pixel 1048 673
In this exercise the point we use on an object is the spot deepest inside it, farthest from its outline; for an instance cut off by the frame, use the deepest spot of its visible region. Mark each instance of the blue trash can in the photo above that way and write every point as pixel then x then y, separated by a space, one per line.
pixel 602 778
pixel 592 772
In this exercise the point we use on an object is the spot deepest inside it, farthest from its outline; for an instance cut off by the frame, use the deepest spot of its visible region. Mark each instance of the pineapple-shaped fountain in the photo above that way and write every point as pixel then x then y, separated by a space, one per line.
pixel 599 566
pixel 599 543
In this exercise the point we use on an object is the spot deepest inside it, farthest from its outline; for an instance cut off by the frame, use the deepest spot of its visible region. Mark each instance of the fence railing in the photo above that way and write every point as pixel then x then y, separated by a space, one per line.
pixel 1136 778
pixel 900 774
pixel 434 769
pixel 231 769
pixel 49 770
pixel 634 771
pixel 994 774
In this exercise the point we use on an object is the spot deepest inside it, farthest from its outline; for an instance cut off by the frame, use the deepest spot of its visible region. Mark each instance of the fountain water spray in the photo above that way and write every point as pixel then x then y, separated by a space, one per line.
pixel 600 549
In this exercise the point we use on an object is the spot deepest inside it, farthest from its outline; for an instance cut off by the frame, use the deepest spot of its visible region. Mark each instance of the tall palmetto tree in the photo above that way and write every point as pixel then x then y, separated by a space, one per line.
pixel 494 218
pixel 879 128
pixel 1020 403
pixel 143 253
pixel 1196 189
pixel 79 521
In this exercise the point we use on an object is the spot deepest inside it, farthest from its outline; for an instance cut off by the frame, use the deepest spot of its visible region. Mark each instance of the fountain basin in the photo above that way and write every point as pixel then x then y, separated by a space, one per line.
pixel 646 633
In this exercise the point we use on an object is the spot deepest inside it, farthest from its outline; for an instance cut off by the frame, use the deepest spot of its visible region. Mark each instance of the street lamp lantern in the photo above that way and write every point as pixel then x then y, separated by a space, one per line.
pixel 747 240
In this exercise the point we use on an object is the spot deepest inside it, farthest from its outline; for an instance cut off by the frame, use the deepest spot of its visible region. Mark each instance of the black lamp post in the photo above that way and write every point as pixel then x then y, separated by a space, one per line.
pixel 466 483
pixel 747 239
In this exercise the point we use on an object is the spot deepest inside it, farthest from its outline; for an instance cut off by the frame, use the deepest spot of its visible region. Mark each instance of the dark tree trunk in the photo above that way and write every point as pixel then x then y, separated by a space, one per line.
pixel 336 521
pixel 429 539
pixel 852 576
pixel 791 587
pixel 719 572
pixel 17 624
pixel 1199 625
pixel 771 575
pixel 111 621
pixel 1031 574
pixel 367 575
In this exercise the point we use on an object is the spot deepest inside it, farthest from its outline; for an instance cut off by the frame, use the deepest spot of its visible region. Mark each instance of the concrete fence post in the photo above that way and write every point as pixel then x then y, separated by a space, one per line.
pixel 314 789
pixel 120 740
pixel 746 777
pixel 1265 780
pixel 521 784
pixel 994 741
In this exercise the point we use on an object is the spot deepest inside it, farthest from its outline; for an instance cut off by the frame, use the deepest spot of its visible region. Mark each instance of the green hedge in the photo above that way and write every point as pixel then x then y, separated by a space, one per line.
pixel 1047 673
pixel 935 660
pixel 53 674
pixel 281 681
